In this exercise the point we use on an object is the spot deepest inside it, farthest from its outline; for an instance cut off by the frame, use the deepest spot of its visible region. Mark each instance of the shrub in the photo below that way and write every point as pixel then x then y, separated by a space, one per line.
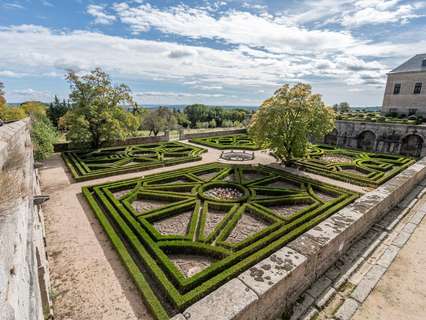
pixel 43 136
pixel 146 252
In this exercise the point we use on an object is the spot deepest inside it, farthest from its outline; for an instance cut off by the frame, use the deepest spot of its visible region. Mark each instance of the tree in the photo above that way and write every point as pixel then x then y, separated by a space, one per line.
pixel 196 113
pixel 158 120
pixel 96 115
pixel 342 107
pixel 56 110
pixel 43 136
pixel 286 120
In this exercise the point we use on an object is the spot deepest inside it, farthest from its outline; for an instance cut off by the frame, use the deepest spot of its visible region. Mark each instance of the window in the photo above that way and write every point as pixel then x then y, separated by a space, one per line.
pixel 397 88
pixel 424 63
pixel 418 88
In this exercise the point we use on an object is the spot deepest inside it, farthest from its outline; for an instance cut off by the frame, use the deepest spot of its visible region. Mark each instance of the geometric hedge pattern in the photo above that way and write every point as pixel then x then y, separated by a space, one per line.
pixel 236 141
pixel 184 233
pixel 85 165
pixel 353 166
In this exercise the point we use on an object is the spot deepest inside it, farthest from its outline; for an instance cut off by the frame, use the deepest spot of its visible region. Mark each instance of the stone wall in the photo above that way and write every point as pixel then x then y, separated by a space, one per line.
pixel 405 100
pixel 24 276
pixel 380 137
pixel 190 136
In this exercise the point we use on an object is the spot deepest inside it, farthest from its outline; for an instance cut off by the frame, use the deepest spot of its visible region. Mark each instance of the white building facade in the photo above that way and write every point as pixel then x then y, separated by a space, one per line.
pixel 405 91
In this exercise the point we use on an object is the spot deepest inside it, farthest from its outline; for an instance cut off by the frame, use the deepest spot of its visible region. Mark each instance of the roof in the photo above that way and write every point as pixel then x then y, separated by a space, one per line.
pixel 415 64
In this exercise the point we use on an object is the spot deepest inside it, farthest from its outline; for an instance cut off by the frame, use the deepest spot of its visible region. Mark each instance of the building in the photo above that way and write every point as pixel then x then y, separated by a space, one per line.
pixel 405 92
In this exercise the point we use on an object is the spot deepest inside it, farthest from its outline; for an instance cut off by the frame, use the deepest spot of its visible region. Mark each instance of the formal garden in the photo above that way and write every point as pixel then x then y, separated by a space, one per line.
pixel 353 166
pixel 183 233
pixel 102 162
pixel 378 117
pixel 237 141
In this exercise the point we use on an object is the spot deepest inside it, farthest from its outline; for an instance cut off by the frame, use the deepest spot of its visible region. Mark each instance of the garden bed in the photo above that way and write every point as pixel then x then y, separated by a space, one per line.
pixel 184 233
pixel 237 141
pixel 353 166
pixel 93 164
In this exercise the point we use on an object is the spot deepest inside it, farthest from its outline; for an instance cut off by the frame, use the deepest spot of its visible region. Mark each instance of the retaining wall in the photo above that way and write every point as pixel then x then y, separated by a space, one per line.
pixel 190 136
pixel 24 276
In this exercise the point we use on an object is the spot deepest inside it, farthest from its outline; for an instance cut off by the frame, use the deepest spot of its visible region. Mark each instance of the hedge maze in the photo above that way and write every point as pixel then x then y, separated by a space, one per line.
pixel 236 141
pixel 182 234
pixel 85 165
pixel 353 166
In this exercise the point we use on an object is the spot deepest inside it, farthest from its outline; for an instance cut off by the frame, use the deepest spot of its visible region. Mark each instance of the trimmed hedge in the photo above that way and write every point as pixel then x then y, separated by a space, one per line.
pixel 99 163
pixel 362 168
pixel 146 251
pixel 236 141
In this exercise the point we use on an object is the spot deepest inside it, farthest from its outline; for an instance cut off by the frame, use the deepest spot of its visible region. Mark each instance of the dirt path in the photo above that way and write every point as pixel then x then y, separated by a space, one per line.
pixel 401 294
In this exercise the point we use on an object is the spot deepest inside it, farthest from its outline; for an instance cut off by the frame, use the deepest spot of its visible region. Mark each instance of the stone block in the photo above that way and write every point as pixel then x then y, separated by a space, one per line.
pixel 178 317
pixel 325 297
pixel 233 300
pixel 409 228
pixel 417 217
pixel 401 239
pixel 319 286
pixel 367 284
pixel 302 306
pixel 274 279
pixel 388 256
pixel 347 310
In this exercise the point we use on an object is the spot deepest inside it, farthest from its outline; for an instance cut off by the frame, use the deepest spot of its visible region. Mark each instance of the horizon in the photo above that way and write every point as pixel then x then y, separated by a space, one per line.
pixel 225 53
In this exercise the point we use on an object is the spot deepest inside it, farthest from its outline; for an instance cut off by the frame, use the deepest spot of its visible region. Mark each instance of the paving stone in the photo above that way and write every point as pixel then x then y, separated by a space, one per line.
pixel 367 284
pixel 230 300
pixel 410 198
pixel 409 228
pixel 359 274
pixel 310 314
pixel 325 297
pixel 299 308
pixel 347 310
pixel 319 286
pixel 373 246
pixel 401 239
pixel 333 272
pixel 388 256
pixel 418 217
pixel 348 270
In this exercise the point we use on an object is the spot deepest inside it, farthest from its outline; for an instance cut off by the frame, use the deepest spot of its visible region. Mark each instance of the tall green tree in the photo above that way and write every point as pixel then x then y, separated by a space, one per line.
pixel 197 113
pixel 285 121
pixel 56 110
pixel 96 114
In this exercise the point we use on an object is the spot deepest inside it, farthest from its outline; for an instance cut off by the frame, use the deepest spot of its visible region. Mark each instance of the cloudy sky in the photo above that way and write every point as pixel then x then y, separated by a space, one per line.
pixel 227 52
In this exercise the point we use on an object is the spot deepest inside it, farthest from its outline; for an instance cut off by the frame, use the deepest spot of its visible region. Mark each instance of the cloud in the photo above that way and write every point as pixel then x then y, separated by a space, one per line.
pixel 379 12
pixel 12 5
pixel 233 27
pixel 177 54
pixel 28 94
pixel 101 17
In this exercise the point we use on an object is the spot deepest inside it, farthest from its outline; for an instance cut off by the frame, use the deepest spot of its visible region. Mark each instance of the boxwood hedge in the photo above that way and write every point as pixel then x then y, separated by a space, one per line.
pixel 93 164
pixel 153 220
pixel 353 166
pixel 236 141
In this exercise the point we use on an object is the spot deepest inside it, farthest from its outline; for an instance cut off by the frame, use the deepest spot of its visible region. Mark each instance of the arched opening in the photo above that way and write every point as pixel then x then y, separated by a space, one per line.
pixel 411 145
pixel 331 138
pixel 366 140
